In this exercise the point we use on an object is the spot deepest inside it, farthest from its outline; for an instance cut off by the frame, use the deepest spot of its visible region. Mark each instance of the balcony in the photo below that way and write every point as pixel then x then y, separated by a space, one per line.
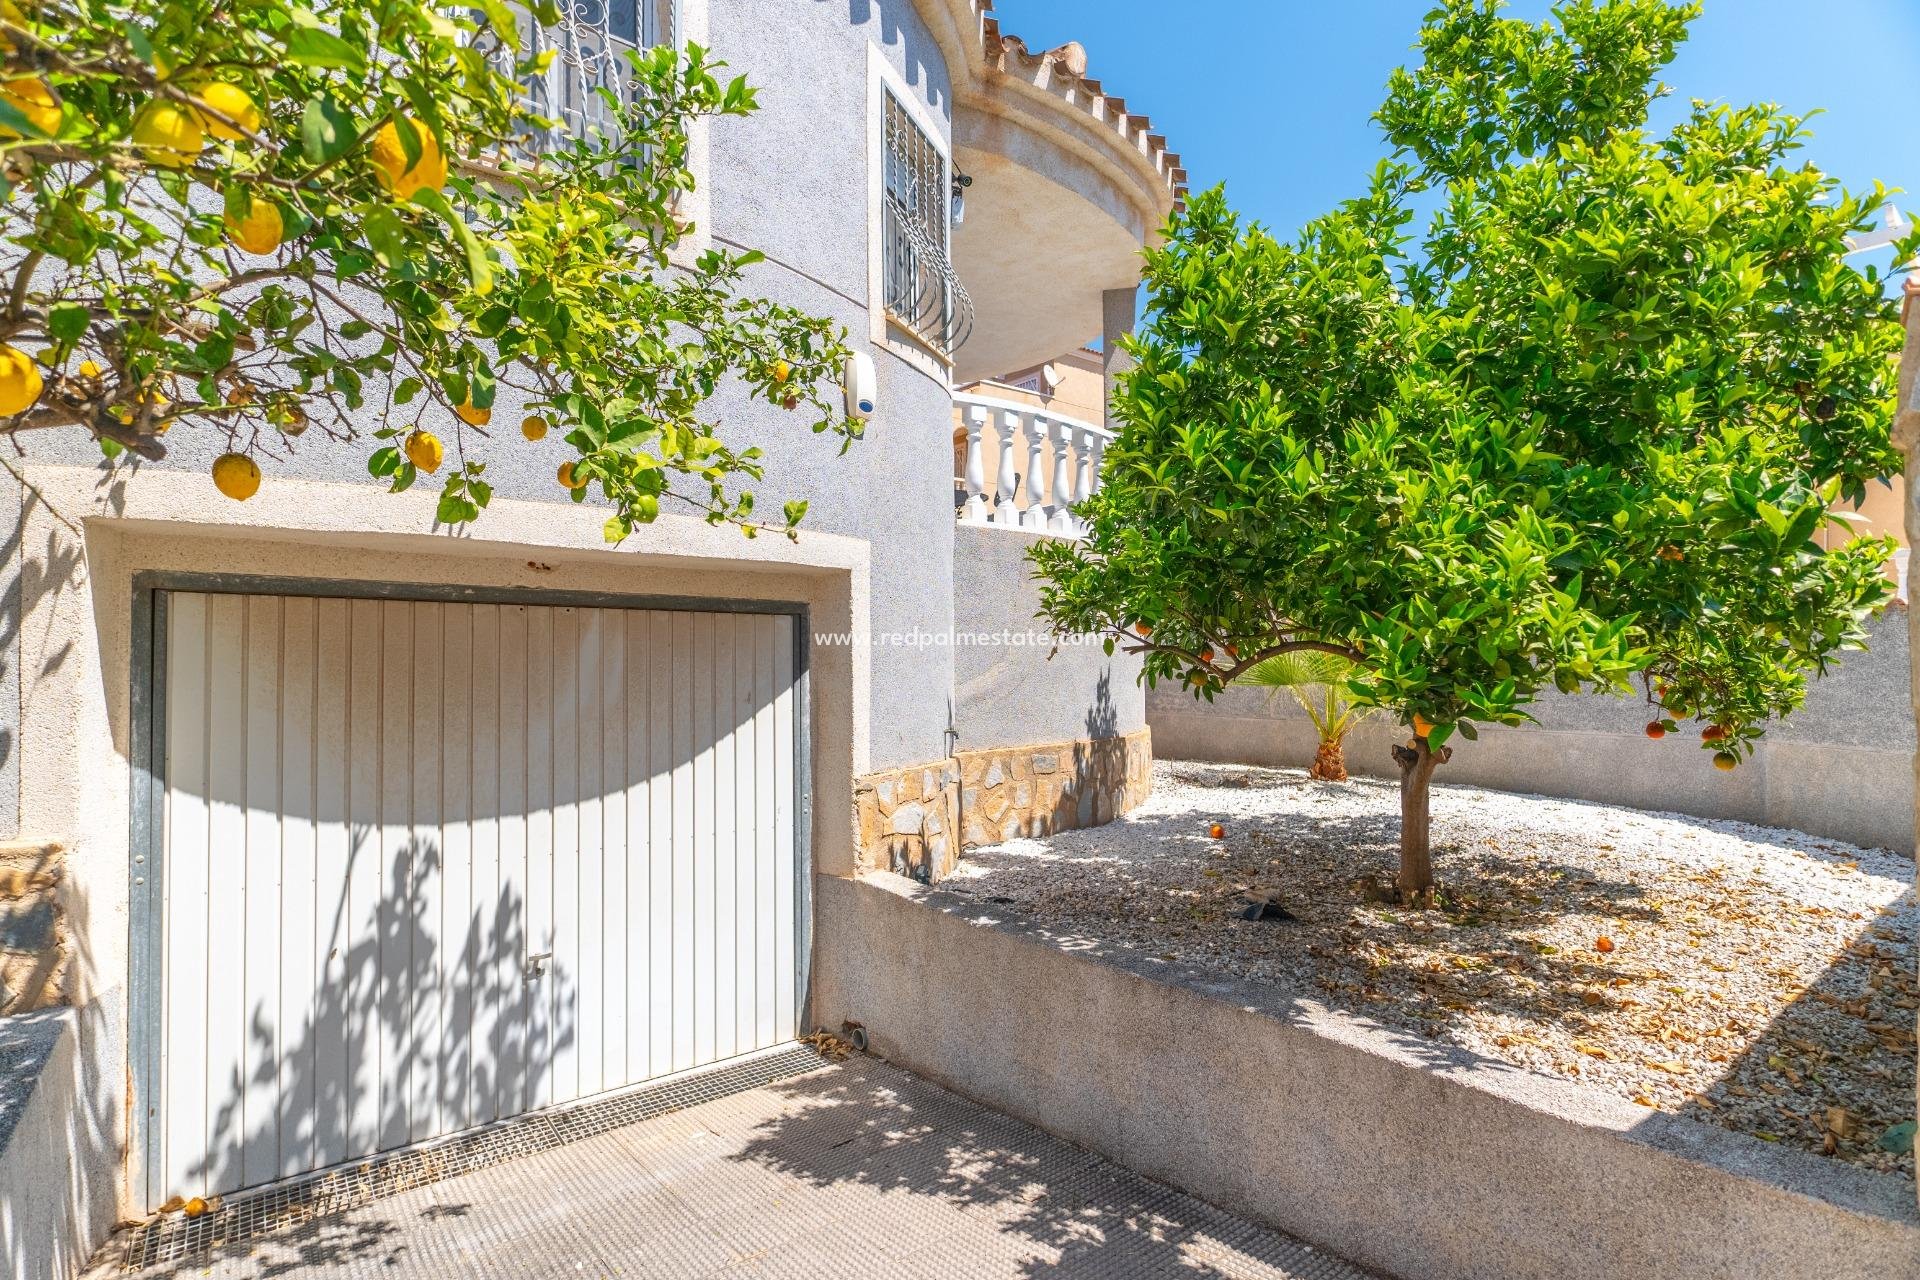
pixel 1021 465
pixel 1064 186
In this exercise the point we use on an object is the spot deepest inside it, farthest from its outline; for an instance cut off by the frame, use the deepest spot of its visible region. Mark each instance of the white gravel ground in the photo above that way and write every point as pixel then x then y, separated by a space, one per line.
pixel 1755 978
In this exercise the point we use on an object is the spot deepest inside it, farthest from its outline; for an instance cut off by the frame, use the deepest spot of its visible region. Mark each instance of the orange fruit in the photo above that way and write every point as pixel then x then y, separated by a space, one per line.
pixel 1656 730
pixel 32 98
pixel 389 156
pixel 169 134
pixel 782 371
pixel 569 479
pixel 1603 943
pixel 1421 725
pixel 533 427
pixel 1217 831
pixel 231 101
pixel 1725 761
pixel 259 232
pixel 425 451
pixel 236 475
pixel 1712 733
pixel 1206 653
pixel 1142 630
pixel 472 415
pixel 20 381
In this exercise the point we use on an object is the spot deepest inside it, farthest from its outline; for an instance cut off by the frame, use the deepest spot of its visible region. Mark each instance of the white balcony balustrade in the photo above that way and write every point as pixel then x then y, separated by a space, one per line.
pixel 1062 461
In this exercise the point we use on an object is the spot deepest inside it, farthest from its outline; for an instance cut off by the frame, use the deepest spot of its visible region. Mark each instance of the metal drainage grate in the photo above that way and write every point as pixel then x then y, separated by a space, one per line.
pixel 244 1215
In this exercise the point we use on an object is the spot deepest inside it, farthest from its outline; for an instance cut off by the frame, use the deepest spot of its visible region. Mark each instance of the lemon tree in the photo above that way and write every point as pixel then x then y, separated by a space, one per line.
pixel 1586 432
pixel 257 220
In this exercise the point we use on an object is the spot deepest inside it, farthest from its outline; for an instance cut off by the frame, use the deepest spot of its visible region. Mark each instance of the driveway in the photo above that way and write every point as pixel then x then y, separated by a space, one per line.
pixel 848 1170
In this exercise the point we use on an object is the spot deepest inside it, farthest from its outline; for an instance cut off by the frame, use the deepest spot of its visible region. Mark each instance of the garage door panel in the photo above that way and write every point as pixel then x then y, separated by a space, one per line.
pixel 226 1024
pixel 660 850
pixel 359 956
pixel 725 948
pixel 187 818
pixel 297 977
pixel 785 973
pixel 430 864
pixel 587 991
pixel 332 914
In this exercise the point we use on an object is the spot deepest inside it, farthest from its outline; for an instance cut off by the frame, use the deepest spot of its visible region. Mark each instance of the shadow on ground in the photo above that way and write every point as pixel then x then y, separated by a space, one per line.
pixel 1519 937
pixel 1051 1209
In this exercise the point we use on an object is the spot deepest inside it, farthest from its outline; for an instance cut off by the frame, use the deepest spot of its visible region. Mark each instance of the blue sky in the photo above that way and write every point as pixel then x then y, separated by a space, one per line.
pixel 1273 96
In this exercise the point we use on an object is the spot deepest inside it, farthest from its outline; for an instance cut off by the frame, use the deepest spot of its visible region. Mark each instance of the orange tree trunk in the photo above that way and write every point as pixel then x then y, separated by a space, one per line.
pixel 1417 763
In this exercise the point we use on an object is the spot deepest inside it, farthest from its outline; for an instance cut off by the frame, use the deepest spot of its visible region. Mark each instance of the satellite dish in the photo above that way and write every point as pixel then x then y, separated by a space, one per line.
pixel 1050 376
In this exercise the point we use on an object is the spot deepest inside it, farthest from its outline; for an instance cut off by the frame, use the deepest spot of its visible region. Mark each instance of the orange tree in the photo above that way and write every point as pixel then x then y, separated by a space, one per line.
pixel 256 219
pixel 1587 430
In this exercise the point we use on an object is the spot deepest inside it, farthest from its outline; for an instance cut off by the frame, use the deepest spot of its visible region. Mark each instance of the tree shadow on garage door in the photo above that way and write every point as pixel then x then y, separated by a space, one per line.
pixel 413 1032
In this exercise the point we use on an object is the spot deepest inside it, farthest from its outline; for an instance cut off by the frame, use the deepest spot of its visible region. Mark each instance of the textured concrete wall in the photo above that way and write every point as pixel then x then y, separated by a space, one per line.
pixel 1842 766
pixel 11 585
pixel 791 180
pixel 52 1214
pixel 1403 1155
pixel 1013 694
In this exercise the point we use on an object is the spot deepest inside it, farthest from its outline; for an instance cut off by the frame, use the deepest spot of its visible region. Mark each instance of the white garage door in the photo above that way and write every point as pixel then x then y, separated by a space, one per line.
pixel 426 865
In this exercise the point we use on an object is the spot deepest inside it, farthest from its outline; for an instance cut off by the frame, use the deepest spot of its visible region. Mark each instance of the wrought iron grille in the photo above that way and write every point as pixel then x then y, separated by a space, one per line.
pixel 919 285
pixel 590 46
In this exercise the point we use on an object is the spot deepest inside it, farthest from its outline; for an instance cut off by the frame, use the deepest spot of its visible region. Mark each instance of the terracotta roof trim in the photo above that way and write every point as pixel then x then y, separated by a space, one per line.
pixel 1062 71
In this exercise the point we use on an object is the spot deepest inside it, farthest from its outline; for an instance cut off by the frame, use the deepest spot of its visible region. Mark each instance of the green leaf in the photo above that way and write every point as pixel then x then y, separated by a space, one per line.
pixel 311 47
pixel 479 270
pixel 67 322
pixel 326 129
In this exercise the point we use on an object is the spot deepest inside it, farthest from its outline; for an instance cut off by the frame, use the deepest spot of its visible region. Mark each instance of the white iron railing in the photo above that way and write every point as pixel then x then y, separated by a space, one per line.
pixel 1062 465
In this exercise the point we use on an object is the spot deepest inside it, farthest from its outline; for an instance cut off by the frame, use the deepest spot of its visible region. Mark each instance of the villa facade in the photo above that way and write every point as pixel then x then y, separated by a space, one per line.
pixel 328 833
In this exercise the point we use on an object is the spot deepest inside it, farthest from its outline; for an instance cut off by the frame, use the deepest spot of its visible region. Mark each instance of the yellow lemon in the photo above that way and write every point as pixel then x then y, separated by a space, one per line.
pixel 231 101
pixel 11 13
pixel 534 427
pixel 32 98
pixel 472 416
pixel 260 231
pixel 390 161
pixel 169 134
pixel 570 480
pixel 782 371
pixel 425 451
pixel 236 475
pixel 20 381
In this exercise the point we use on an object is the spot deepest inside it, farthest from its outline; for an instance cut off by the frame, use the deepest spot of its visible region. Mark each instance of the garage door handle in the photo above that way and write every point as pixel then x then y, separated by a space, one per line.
pixel 537 965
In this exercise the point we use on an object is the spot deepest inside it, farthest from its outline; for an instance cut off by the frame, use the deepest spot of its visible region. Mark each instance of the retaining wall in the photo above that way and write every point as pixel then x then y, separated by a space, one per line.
pixel 1403 1155
pixel 52 1216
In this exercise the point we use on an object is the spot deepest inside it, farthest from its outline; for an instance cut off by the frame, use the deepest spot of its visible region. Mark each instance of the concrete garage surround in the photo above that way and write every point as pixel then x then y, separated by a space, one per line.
pixel 1402 1154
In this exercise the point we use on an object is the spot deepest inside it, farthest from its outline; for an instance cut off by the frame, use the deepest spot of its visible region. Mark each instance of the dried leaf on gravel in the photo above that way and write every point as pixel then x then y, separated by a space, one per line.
pixel 1772 976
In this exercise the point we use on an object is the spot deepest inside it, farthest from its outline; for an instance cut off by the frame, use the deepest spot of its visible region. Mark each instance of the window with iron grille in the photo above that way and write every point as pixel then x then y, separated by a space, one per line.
pixel 590 46
pixel 919 286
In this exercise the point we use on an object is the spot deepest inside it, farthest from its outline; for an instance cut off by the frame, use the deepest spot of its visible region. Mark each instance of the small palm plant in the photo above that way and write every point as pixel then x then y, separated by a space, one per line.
pixel 1318 682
